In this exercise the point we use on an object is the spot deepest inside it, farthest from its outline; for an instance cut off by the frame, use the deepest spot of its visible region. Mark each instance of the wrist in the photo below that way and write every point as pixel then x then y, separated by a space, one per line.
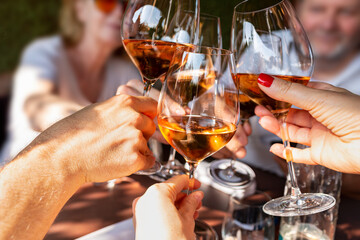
pixel 52 160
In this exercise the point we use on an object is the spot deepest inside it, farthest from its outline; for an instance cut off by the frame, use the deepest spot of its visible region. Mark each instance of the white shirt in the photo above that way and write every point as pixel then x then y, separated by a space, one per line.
pixel 45 59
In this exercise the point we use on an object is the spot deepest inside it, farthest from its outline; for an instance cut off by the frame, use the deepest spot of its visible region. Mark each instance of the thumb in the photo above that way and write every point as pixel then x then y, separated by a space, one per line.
pixel 190 204
pixel 286 91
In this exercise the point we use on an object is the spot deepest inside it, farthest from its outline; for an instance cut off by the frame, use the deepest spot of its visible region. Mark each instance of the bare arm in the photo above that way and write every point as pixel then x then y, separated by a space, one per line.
pixel 36 97
pixel 45 109
pixel 32 194
pixel 98 143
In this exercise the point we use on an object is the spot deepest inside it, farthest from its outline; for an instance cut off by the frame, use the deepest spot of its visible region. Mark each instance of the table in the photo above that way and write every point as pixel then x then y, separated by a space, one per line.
pixel 95 207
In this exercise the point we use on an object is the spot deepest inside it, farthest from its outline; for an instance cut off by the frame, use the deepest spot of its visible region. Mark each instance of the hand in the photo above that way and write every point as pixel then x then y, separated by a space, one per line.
pixel 103 141
pixel 329 124
pixel 164 212
pixel 134 88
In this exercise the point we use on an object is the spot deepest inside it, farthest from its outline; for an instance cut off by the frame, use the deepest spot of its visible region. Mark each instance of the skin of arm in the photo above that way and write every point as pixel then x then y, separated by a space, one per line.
pixel 36 97
pixel 39 181
pixel 45 109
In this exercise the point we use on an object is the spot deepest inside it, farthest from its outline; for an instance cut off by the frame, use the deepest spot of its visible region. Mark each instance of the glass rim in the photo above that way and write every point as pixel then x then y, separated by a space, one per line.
pixel 221 50
pixel 255 11
pixel 209 16
pixel 243 202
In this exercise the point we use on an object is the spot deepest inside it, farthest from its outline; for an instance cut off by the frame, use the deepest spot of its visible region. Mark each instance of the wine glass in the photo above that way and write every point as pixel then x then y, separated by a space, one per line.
pixel 209 36
pixel 231 173
pixel 193 114
pixel 151 31
pixel 268 38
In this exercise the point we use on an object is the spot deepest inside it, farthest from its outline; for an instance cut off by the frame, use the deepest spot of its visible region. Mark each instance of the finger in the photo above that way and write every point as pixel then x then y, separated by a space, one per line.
pixel 141 122
pixel 145 157
pixel 124 89
pixel 135 84
pixel 300 118
pixel 189 205
pixel 294 93
pixel 143 105
pixel 159 137
pixel 179 183
pixel 180 197
pixel 299 155
pixel 138 87
pixel 326 86
pixel 296 134
pixel 196 215
pixel 247 128
pixel 262 111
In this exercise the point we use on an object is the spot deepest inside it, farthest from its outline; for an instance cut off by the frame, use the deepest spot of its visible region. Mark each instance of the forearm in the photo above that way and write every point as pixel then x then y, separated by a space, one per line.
pixel 33 189
pixel 46 109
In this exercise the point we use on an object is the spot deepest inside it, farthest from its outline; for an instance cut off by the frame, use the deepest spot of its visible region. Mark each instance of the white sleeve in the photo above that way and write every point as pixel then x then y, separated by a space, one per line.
pixel 42 55
pixel 36 73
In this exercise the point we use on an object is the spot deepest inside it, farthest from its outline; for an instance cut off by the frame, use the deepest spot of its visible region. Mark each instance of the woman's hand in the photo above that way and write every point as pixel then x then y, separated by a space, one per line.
pixel 328 123
pixel 164 212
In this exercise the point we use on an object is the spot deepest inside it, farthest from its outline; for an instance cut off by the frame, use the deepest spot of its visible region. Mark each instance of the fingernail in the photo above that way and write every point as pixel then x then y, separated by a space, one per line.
pixel 265 80
pixel 199 196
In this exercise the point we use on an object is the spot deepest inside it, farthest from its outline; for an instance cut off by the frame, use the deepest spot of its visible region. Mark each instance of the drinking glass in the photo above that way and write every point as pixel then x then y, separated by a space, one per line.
pixel 194 115
pixel 226 172
pixel 268 38
pixel 246 219
pixel 313 178
pixel 151 31
pixel 209 36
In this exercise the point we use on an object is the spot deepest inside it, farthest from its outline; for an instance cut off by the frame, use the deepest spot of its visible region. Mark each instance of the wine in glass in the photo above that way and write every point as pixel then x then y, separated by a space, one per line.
pixel 233 173
pixel 267 37
pixel 209 36
pixel 151 32
pixel 193 114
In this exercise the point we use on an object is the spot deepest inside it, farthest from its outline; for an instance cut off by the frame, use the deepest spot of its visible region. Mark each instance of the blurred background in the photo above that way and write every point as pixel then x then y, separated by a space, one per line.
pixel 22 21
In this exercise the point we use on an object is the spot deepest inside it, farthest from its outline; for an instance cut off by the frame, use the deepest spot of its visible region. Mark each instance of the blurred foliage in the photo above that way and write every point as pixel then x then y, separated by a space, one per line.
pixel 24 20
pixel 21 21
pixel 224 10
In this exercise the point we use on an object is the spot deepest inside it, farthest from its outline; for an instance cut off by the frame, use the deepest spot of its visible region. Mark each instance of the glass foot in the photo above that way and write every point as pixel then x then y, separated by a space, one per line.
pixel 305 204
pixel 238 175
pixel 167 173
pixel 203 231
pixel 150 171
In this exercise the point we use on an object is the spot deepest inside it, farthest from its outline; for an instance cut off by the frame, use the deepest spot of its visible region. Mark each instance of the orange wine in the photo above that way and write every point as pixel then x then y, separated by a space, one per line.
pixel 196 137
pixel 247 106
pixel 190 84
pixel 247 83
pixel 152 57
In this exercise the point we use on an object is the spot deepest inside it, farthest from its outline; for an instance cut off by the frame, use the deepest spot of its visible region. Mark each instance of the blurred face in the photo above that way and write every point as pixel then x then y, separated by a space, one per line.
pixel 333 26
pixel 101 19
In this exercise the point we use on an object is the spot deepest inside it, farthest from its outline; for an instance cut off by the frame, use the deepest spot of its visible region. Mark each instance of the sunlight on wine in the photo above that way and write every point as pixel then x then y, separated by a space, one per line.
pixel 196 137
pixel 247 83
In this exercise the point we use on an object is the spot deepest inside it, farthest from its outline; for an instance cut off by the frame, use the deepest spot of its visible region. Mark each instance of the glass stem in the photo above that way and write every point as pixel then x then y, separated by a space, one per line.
pixel 192 167
pixel 230 170
pixel 295 191
pixel 171 161
pixel 147 87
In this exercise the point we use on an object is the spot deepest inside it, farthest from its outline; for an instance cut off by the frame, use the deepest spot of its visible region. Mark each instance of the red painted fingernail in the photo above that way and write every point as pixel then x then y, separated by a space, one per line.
pixel 265 80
